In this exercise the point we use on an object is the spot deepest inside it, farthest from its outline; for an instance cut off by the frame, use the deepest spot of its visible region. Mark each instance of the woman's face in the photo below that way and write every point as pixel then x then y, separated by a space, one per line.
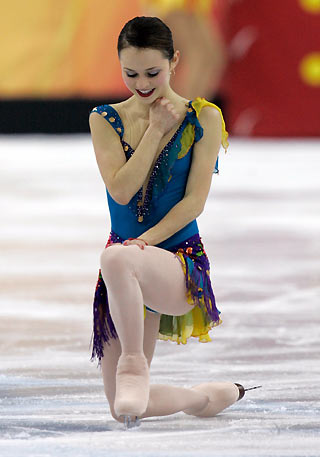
pixel 145 72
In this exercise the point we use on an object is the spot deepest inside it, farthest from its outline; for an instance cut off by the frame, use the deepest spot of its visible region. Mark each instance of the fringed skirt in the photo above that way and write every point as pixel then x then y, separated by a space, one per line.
pixel 197 322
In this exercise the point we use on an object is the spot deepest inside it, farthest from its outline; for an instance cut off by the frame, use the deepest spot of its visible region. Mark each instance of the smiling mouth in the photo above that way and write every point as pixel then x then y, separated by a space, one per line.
pixel 145 93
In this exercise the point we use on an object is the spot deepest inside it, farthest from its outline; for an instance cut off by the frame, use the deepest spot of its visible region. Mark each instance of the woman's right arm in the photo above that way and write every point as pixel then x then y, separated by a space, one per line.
pixel 122 178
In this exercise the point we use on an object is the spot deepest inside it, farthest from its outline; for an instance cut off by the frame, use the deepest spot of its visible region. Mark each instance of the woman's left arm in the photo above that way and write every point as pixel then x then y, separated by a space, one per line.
pixel 205 153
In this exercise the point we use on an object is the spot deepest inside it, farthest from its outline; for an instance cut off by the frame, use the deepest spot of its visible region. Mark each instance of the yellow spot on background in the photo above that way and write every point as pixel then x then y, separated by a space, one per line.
pixel 312 6
pixel 310 69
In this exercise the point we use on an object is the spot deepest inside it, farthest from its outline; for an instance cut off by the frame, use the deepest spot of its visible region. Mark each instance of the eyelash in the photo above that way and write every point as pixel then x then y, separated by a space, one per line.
pixel 149 74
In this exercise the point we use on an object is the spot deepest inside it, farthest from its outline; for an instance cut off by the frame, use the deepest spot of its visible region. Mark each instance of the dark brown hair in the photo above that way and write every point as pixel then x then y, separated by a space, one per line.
pixel 147 32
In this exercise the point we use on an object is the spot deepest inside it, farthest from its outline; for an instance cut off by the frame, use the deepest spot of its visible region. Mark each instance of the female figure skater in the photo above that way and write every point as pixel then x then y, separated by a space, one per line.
pixel 156 152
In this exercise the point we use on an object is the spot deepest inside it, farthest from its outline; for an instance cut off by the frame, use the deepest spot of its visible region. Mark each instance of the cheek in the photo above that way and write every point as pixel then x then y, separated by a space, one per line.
pixel 128 81
pixel 161 79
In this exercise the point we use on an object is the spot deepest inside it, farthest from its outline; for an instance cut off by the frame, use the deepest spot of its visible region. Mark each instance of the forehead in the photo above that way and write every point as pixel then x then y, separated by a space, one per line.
pixel 141 58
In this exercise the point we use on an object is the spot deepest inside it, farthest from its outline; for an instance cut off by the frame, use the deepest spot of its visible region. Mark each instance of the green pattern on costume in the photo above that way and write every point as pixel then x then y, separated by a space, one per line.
pixel 187 140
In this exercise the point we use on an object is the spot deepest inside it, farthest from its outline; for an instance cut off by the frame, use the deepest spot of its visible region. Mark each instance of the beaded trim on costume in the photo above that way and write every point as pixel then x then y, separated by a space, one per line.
pixel 161 173
pixel 189 132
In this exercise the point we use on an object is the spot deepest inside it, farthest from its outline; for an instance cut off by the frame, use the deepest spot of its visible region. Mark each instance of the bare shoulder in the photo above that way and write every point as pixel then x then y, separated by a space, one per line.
pixel 119 107
pixel 210 115
pixel 98 124
pixel 100 128
pixel 210 120
pixel 124 108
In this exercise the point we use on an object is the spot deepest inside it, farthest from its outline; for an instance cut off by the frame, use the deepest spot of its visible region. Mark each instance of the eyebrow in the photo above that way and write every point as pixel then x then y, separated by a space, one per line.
pixel 135 70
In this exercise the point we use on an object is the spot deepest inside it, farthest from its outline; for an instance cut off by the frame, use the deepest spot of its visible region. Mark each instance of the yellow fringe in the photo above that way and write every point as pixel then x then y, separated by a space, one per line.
pixel 198 329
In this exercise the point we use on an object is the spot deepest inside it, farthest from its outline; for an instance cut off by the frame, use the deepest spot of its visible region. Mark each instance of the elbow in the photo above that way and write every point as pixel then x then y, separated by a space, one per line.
pixel 199 211
pixel 118 192
pixel 120 201
pixel 119 196
pixel 197 207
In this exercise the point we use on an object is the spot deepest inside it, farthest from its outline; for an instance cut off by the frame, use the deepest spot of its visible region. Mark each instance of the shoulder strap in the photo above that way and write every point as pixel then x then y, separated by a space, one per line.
pixel 112 116
pixel 198 104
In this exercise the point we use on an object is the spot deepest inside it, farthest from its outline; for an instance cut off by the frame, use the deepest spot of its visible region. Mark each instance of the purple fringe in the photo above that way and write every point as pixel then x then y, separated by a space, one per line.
pixel 197 276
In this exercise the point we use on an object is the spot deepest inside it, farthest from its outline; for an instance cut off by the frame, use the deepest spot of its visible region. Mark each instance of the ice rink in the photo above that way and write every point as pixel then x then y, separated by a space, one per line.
pixel 260 229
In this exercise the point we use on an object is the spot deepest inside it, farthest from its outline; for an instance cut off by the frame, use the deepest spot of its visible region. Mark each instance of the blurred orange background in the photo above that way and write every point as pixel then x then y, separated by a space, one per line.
pixel 260 59
pixel 60 48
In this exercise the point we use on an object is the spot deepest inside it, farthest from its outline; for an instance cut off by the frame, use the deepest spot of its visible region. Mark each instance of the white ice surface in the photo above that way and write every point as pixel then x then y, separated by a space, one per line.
pixel 260 229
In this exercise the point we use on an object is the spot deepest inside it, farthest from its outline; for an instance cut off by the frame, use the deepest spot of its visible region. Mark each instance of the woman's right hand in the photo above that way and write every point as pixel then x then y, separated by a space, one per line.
pixel 162 115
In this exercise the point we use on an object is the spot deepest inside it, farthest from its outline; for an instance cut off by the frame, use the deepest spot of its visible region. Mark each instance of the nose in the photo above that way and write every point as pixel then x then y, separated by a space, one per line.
pixel 142 83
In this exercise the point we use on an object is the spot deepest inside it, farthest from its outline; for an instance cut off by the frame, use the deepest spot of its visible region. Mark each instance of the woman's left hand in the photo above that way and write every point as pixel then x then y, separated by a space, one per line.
pixel 139 243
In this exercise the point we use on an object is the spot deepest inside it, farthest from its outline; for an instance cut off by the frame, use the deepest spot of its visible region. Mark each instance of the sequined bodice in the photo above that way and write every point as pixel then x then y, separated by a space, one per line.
pixel 167 181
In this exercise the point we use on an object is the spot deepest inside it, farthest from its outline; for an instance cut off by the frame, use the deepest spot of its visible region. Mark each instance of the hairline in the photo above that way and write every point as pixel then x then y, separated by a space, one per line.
pixel 145 47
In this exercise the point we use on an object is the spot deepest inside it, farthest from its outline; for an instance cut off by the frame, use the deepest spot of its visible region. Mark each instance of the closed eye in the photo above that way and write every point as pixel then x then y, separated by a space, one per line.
pixel 151 75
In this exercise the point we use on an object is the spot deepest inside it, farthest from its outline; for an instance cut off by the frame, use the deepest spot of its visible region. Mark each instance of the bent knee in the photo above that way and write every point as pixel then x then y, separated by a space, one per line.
pixel 118 256
pixel 112 254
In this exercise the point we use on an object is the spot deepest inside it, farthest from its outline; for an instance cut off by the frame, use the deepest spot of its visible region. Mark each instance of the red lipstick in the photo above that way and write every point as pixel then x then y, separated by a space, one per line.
pixel 146 94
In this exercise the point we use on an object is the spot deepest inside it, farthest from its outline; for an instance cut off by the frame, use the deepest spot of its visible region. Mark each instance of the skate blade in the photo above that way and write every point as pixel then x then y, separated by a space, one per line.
pixel 129 423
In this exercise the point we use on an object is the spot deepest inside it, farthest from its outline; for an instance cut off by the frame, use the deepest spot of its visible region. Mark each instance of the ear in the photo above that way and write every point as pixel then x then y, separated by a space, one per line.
pixel 175 60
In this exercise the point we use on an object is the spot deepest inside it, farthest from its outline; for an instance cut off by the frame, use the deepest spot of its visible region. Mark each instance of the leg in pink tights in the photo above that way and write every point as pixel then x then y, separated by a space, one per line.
pixel 152 276
pixel 164 399
pixel 133 277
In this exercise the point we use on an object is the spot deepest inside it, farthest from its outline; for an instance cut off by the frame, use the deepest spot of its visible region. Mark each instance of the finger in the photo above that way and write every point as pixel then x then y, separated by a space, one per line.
pixel 174 114
pixel 155 103
pixel 173 111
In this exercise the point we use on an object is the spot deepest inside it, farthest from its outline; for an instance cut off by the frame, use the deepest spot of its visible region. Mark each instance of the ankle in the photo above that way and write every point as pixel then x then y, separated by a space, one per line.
pixel 199 402
pixel 132 385
pixel 132 363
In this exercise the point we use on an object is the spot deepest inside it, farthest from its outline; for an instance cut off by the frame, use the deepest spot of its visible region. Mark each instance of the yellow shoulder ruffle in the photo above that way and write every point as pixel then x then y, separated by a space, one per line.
pixel 198 103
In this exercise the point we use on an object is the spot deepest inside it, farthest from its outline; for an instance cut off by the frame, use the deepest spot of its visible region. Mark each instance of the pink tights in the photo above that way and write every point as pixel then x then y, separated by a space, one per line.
pixel 154 277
